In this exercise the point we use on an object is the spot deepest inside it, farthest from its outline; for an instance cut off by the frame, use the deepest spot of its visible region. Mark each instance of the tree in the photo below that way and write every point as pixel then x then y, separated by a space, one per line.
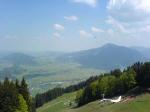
pixel 17 85
pixel 116 72
pixel 79 97
pixel 23 90
pixel 95 90
pixel 137 68
pixel 8 96
pixel 128 80
pixel 22 104
pixel 144 75
pixel 108 85
pixel 12 97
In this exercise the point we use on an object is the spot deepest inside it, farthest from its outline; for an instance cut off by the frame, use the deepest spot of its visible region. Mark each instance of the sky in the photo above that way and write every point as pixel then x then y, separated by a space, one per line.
pixel 73 25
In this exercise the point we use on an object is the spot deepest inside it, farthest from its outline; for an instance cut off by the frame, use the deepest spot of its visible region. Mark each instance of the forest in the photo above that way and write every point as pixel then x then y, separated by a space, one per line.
pixel 15 97
pixel 117 83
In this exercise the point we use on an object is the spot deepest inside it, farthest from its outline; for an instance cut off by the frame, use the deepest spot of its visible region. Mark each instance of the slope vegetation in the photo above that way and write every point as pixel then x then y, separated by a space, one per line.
pixel 139 104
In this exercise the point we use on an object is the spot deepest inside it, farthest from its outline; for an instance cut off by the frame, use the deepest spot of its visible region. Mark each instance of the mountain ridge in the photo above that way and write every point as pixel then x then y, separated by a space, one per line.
pixel 107 57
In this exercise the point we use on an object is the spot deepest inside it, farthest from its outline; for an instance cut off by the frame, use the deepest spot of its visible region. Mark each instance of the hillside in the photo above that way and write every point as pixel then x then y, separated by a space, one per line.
pixel 139 104
pixel 107 57
pixel 18 58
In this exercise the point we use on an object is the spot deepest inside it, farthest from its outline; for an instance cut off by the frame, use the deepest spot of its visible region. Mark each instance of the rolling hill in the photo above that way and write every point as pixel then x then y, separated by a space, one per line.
pixel 19 59
pixel 107 57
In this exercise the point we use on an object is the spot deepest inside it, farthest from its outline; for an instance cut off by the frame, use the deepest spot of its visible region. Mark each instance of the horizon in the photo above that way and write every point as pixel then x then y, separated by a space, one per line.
pixel 41 26
pixel 137 48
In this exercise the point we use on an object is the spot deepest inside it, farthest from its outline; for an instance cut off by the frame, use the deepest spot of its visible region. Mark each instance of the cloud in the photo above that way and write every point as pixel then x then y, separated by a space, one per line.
pixel 129 10
pixel 116 24
pixel 110 32
pixel 146 28
pixel 96 30
pixel 71 18
pixel 83 33
pixel 132 4
pixel 144 5
pixel 91 3
pixel 56 34
pixel 129 16
pixel 58 27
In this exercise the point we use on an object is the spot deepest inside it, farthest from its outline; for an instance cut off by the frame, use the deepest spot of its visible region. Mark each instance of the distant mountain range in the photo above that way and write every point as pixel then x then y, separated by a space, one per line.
pixel 18 59
pixel 144 51
pixel 107 57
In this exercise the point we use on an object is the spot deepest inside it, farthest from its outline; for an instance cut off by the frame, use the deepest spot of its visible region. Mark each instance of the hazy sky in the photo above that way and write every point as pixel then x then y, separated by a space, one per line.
pixel 69 25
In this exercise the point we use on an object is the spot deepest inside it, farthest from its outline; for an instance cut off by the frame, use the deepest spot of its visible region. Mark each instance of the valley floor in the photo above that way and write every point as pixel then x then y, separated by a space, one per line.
pixel 62 104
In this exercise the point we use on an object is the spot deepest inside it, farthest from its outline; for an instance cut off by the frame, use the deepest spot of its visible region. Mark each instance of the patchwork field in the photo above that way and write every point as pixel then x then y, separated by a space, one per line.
pixel 43 72
pixel 44 77
pixel 47 73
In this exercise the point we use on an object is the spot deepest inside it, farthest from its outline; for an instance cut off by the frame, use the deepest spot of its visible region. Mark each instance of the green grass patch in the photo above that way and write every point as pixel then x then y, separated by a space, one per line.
pixel 139 104
pixel 60 104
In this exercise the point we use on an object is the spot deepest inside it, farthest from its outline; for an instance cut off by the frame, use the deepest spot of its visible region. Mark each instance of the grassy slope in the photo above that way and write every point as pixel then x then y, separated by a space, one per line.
pixel 57 105
pixel 139 104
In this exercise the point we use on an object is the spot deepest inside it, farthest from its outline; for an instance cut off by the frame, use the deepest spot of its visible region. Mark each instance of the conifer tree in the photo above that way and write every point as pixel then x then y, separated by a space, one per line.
pixel 25 93
pixel 22 107
pixel 8 96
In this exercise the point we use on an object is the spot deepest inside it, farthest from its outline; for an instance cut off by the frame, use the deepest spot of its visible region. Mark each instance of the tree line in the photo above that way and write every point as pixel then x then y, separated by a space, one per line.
pixel 49 95
pixel 116 83
pixel 110 84
pixel 15 97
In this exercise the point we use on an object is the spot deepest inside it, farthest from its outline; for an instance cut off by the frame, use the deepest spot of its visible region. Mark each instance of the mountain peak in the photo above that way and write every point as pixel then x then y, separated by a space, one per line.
pixel 109 56
pixel 108 45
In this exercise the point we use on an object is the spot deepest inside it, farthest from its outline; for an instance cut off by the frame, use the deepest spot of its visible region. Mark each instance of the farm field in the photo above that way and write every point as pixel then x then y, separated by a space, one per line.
pixel 48 76
pixel 48 73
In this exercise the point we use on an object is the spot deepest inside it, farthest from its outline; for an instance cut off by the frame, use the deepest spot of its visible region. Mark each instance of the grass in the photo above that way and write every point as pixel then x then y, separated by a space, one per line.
pixel 139 104
pixel 57 105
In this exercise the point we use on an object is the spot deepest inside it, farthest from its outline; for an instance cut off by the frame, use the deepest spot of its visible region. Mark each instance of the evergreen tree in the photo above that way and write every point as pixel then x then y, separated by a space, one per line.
pixel 22 104
pixel 15 97
pixel 8 97
pixel 23 90
pixel 17 85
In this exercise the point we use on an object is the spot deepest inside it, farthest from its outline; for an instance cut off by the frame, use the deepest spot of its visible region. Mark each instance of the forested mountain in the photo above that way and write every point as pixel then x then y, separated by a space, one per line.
pixel 107 57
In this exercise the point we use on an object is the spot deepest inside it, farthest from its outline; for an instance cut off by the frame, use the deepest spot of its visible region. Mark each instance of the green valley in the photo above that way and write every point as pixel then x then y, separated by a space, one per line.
pixel 45 73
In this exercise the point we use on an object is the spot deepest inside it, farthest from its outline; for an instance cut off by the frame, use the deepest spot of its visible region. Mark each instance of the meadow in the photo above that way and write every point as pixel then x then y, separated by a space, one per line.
pixel 140 104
